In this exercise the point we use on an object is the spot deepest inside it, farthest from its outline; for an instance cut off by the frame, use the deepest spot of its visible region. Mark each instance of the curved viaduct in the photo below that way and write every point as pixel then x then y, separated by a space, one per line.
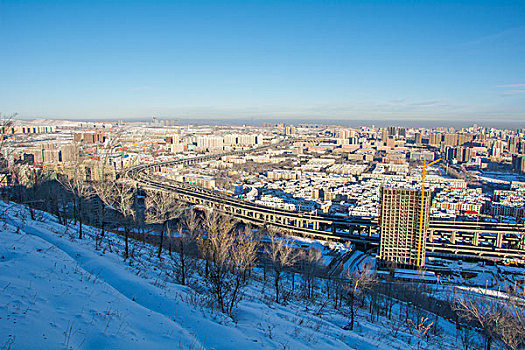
pixel 492 241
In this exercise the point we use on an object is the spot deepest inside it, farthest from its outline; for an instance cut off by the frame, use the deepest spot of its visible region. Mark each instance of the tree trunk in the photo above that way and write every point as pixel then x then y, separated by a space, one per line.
pixel 488 342
pixel 159 254
pixel 102 223
pixel 102 229
pixel 80 218
pixel 182 263
pixel 277 278
pixel 75 209
pixel 352 313
pixel 126 236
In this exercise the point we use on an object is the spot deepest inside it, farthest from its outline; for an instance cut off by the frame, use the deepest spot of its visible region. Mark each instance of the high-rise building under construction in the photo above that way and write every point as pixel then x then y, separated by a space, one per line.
pixel 401 215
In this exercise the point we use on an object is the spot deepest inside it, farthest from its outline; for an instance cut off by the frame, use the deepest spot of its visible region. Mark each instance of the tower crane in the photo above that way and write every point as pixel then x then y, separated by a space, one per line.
pixel 423 176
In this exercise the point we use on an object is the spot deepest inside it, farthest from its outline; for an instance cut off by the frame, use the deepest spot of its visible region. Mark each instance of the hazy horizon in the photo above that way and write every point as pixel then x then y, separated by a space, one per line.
pixel 412 123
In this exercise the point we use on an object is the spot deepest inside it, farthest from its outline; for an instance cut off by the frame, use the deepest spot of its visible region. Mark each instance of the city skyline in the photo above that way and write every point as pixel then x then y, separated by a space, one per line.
pixel 430 62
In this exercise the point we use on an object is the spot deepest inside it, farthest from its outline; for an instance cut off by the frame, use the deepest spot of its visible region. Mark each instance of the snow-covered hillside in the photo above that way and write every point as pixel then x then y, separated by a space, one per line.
pixel 60 292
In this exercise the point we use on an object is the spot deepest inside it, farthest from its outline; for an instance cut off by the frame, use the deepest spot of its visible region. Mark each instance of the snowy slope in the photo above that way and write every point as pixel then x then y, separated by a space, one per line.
pixel 49 300
pixel 59 292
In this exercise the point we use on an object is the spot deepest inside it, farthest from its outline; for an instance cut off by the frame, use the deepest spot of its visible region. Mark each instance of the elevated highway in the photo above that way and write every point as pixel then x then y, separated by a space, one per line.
pixel 491 241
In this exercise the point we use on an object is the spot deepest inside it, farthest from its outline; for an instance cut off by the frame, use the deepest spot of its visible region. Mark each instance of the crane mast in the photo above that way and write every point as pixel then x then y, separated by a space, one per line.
pixel 423 176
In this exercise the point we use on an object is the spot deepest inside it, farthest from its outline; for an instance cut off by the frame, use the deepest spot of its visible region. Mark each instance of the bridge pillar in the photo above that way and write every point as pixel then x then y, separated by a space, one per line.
pixel 430 236
pixel 499 240
pixel 453 237
pixel 475 238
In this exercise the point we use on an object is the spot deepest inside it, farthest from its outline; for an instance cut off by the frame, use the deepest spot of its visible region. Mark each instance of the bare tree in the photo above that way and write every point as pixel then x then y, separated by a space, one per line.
pixel 466 337
pixel 230 254
pixel 106 178
pixel 187 244
pixel 103 189
pixel 215 248
pixel 421 328
pixel 110 146
pixel 81 190
pixel 499 319
pixel 120 196
pixel 310 265
pixel 161 208
pixel 358 282
pixel 6 124
pixel 282 254
pixel 31 179
pixel 243 256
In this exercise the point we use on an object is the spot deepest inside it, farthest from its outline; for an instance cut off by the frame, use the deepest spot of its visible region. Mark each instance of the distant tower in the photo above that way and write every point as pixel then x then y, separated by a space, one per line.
pixel 400 215
pixel 289 130
pixel 384 135
pixel 417 138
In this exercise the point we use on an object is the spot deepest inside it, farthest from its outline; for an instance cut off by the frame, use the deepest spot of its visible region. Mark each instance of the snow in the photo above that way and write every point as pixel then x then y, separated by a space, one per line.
pixel 50 286
pixel 60 292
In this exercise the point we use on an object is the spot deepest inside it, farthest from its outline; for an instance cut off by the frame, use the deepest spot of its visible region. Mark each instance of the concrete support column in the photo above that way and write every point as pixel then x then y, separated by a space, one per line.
pixel 430 235
pixel 475 239
pixel 453 237
pixel 499 240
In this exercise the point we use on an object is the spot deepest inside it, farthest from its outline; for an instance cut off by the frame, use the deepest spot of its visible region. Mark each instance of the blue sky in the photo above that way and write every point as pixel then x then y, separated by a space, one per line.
pixel 425 60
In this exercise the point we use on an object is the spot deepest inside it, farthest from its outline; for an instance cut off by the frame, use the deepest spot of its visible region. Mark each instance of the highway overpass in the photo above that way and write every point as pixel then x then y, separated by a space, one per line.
pixel 481 240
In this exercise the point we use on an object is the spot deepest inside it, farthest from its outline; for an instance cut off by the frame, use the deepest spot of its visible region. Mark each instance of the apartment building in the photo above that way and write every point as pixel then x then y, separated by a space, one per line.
pixel 400 212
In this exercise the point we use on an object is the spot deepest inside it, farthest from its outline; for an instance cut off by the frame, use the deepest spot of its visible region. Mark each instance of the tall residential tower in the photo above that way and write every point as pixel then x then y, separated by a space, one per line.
pixel 400 218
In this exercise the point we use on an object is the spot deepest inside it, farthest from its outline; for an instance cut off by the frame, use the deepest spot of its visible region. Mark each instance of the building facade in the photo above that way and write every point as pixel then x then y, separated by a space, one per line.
pixel 400 211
